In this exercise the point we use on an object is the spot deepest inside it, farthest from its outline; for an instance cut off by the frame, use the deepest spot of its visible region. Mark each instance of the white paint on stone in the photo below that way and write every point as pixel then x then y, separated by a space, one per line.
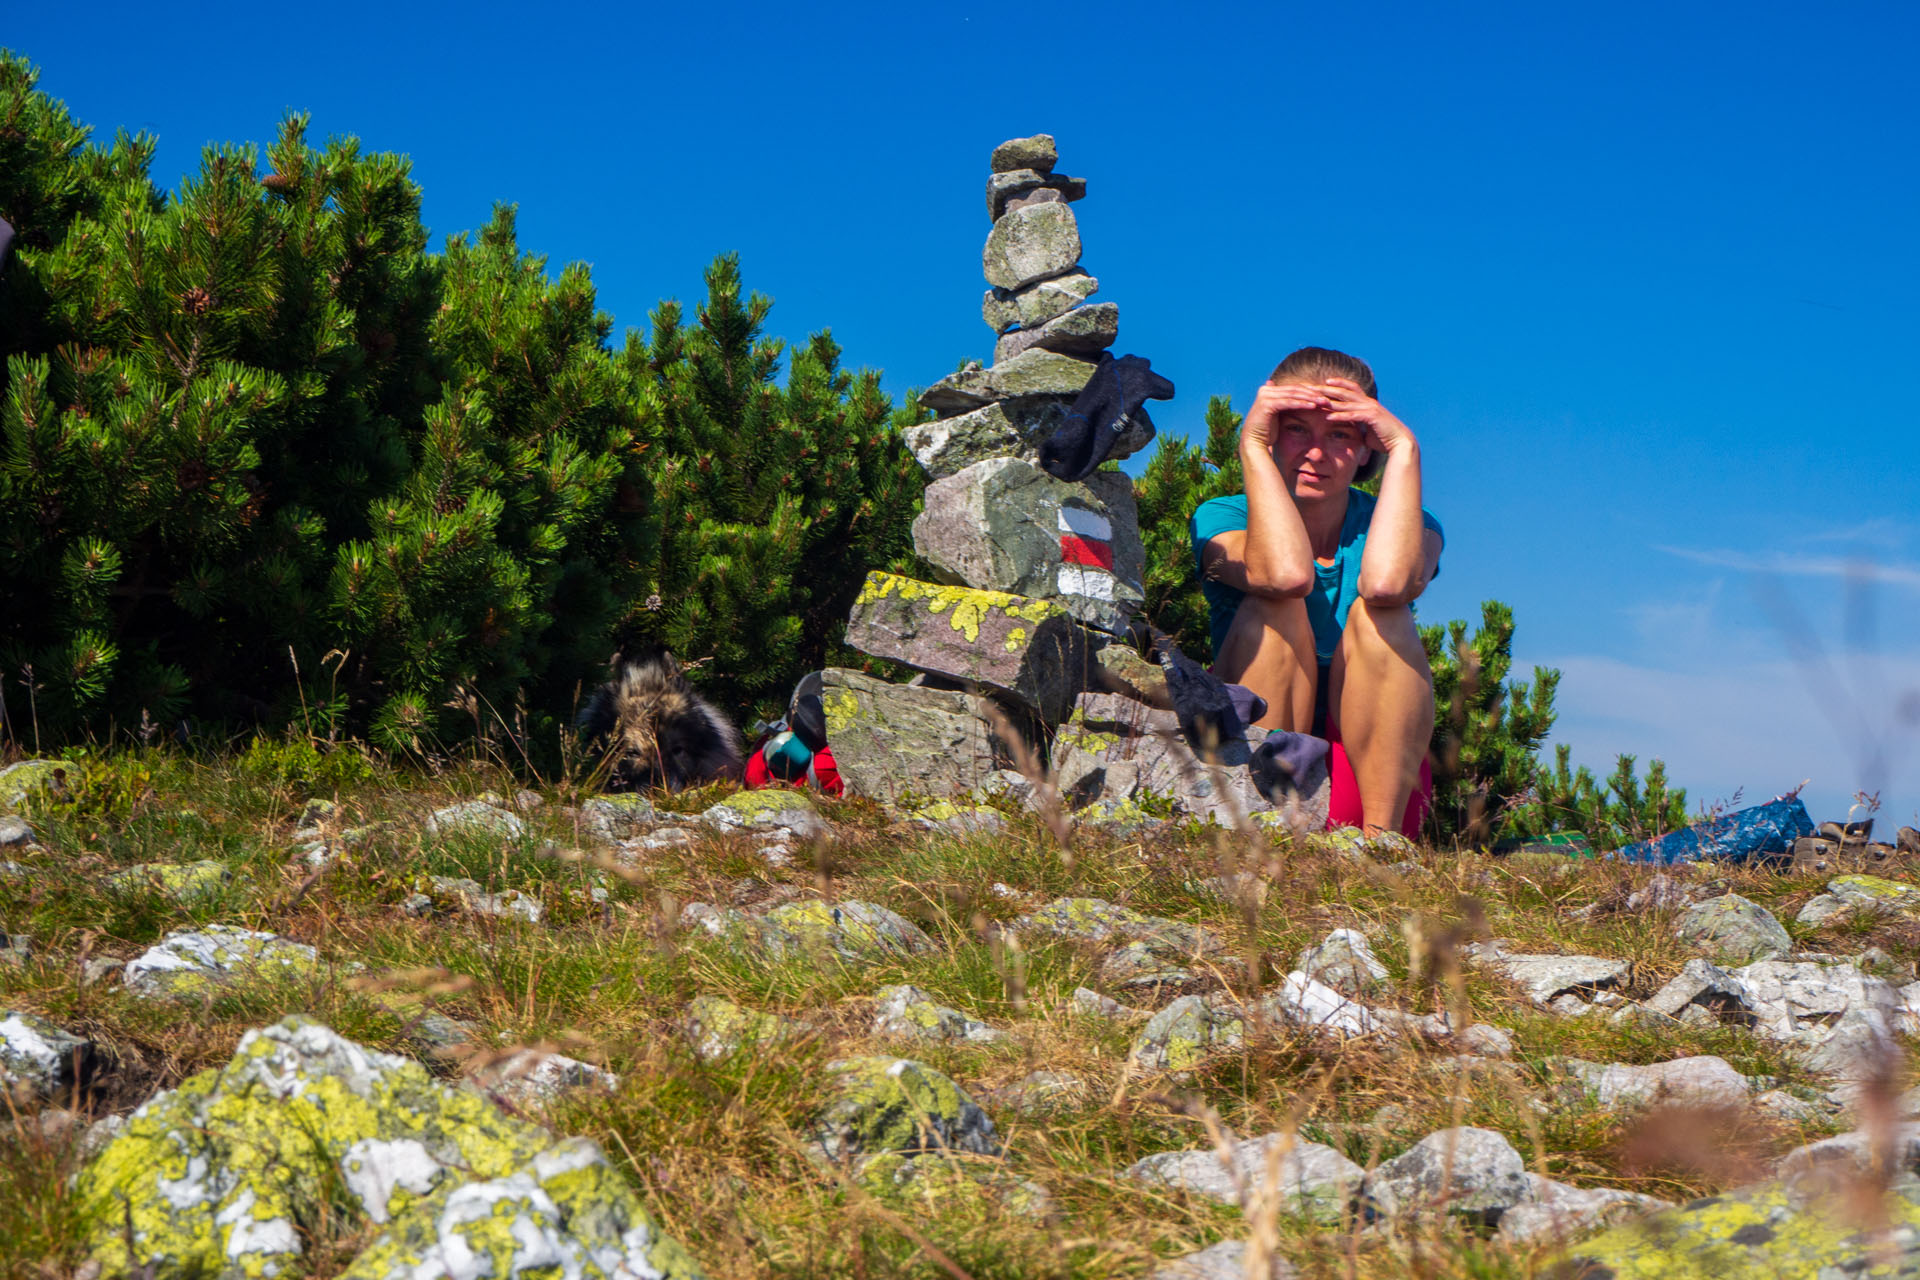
pixel 1079 580
pixel 1086 524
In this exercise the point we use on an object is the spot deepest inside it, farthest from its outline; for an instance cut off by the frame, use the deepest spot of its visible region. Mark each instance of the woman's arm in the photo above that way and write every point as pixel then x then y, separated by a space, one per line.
pixel 1274 556
pixel 1401 551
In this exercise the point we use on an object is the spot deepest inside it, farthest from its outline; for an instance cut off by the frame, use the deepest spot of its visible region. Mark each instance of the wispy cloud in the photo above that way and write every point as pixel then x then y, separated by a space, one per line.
pixel 1783 564
pixel 1880 531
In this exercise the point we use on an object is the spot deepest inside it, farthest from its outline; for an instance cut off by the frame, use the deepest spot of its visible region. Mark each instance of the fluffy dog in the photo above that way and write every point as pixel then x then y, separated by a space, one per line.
pixel 656 731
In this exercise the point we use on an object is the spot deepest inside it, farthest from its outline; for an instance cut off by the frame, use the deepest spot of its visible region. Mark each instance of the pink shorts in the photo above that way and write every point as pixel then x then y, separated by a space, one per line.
pixel 1343 804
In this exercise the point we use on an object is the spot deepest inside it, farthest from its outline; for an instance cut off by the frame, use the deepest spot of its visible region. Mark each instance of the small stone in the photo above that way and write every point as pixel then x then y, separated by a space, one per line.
pixel 1179 1036
pixel 1315 1179
pixel 99 969
pixel 905 1010
pixel 454 893
pixel 720 1028
pixel 1099 1006
pixel 1703 1081
pixel 14 832
pixel 1031 244
pixel 38 1060
pixel 1084 332
pixel 1735 929
pixel 1309 1003
pixel 1557 1209
pixel 1003 309
pixel 1470 1172
pixel 54 778
pixel 1785 1107
pixel 191 962
pixel 1343 960
pixel 1703 984
pixel 1226 1260
pixel 475 817
pixel 187 882
pixel 616 818
pixel 776 808
pixel 530 1078
pixel 1017 187
pixel 959 819
pixel 1040 1093
pixel 1037 153
pixel 860 932
pixel 1662 893
pixel 896 1104
pixel 1547 977
pixel 1006 429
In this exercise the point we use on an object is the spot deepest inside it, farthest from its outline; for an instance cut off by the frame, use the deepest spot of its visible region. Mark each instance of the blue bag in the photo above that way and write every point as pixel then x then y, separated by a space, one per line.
pixel 1764 833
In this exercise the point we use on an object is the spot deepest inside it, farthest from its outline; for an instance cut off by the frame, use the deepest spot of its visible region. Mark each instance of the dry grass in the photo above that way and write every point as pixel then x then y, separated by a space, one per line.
pixel 718 1148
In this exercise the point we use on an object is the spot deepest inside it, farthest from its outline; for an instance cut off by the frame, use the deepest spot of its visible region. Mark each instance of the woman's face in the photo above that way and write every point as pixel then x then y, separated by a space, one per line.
pixel 1318 458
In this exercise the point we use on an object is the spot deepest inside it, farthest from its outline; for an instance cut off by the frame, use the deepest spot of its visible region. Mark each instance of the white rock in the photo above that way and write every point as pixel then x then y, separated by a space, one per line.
pixel 475 817
pixel 1343 959
pixel 373 1170
pixel 1703 1081
pixel 532 1077
pixel 1470 1171
pixel 1312 1177
pixel 1546 977
pixel 1307 1002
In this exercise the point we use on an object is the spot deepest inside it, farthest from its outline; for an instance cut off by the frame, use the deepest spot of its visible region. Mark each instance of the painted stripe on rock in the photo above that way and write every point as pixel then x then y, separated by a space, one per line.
pixel 1078 580
pixel 1076 550
pixel 1088 524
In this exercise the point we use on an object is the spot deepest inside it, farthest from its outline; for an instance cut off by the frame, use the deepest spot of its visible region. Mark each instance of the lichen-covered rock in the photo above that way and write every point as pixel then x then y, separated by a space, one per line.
pixel 1345 961
pixel 1767 1230
pixel 959 819
pixel 1030 374
pixel 773 809
pixel 1861 893
pixel 477 818
pixel 1006 525
pixel 1031 244
pixel 1703 1081
pixel 1735 929
pixel 1179 1036
pixel 455 893
pixel 39 1060
pixel 860 932
pixel 906 1010
pixel 1002 309
pixel 1470 1172
pixel 1004 190
pixel 896 1104
pixel 1083 333
pixel 891 740
pixel 217 1175
pixel 719 1028
pixel 1031 651
pixel 940 1181
pixel 1113 748
pixel 191 962
pixel 29 778
pixel 613 818
pixel 1006 429
pixel 1038 153
pixel 1096 920
pixel 185 882
pixel 1314 1179
pixel 1547 977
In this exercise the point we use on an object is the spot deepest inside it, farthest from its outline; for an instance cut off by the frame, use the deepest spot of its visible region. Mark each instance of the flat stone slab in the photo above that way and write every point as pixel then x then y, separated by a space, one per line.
pixel 1030 244
pixel 891 740
pixel 1032 651
pixel 1083 332
pixel 1006 525
pixel 1546 977
pixel 1006 189
pixel 1703 1081
pixel 1470 1172
pixel 1038 152
pixel 1006 429
pixel 1004 309
pixel 1030 373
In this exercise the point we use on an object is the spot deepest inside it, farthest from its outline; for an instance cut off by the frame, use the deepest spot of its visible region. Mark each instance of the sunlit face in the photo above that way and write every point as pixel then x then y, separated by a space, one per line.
pixel 1317 457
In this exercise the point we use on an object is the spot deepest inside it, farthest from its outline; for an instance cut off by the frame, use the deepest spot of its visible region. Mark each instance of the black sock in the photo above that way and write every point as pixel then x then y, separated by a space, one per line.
pixel 1212 712
pixel 1116 389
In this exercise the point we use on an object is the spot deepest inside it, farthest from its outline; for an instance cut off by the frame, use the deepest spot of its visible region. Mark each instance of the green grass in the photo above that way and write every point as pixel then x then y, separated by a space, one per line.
pixel 718 1148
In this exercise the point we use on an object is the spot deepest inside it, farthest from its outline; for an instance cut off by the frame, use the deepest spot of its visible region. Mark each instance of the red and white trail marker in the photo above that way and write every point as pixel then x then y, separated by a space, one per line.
pixel 1086 554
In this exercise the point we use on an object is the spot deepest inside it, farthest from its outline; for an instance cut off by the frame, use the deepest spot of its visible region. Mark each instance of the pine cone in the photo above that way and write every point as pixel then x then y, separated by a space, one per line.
pixel 196 301
pixel 278 183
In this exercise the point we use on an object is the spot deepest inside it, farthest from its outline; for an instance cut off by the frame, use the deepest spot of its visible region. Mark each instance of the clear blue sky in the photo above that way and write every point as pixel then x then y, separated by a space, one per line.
pixel 1640 276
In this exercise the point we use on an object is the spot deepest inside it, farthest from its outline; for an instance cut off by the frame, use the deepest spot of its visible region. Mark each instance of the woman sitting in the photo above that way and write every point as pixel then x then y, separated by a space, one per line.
pixel 1310 583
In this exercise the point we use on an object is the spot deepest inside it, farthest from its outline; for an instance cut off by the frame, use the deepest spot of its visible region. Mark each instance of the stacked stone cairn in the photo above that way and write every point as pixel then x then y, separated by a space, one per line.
pixel 1022 640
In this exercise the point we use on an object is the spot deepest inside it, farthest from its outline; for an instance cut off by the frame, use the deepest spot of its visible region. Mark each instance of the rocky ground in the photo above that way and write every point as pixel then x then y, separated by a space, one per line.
pixel 293 1014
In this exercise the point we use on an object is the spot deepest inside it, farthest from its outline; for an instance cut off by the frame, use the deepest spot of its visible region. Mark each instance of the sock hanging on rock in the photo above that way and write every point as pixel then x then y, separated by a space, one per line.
pixel 1116 390
pixel 1282 762
pixel 1211 711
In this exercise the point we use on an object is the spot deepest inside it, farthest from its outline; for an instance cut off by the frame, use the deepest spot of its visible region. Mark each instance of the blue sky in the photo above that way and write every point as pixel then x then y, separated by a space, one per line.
pixel 1639 276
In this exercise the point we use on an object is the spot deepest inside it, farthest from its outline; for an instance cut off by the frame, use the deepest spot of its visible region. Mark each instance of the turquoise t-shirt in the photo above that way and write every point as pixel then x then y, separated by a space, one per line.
pixel 1336 587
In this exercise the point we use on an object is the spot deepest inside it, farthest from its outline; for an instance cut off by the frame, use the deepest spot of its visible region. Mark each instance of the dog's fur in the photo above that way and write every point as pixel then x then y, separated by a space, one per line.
pixel 655 731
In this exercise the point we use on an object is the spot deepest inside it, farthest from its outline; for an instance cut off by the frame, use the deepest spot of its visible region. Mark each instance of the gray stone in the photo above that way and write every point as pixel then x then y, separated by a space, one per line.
pixel 36 777
pixel 775 810
pixel 1785 1107
pixel 1704 1081
pixel 1471 1172
pixel 186 882
pixel 531 1078
pixel 1181 1035
pixel 1099 1006
pixel 718 1028
pixel 854 931
pixel 1138 969
pixel 192 962
pixel 38 1060
pixel 1559 1210
pixel 1850 1156
pixel 1113 749
pixel 1041 1092
pixel 1031 244
pixel 1096 920
pixel 1002 309
pixel 1840 1021
pixel 1735 929
pixel 999 525
pixel 1085 332
pixel 1343 960
pixel 1037 152
pixel 1033 652
pixel 14 832
pixel 475 817
pixel 1226 1260
pixel 99 969
pixel 893 740
pixel 896 1104
pixel 1706 985
pixel 457 893
pixel 1869 894
pixel 1314 1179
pixel 1305 1002
pixel 612 819
pixel 959 819
pixel 1018 187
pixel 1662 893
pixel 1547 977
pixel 1007 429
pixel 905 1010
pixel 1031 373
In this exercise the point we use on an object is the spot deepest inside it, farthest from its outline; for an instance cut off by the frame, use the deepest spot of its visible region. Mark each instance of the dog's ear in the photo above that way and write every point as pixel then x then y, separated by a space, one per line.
pixel 654 661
